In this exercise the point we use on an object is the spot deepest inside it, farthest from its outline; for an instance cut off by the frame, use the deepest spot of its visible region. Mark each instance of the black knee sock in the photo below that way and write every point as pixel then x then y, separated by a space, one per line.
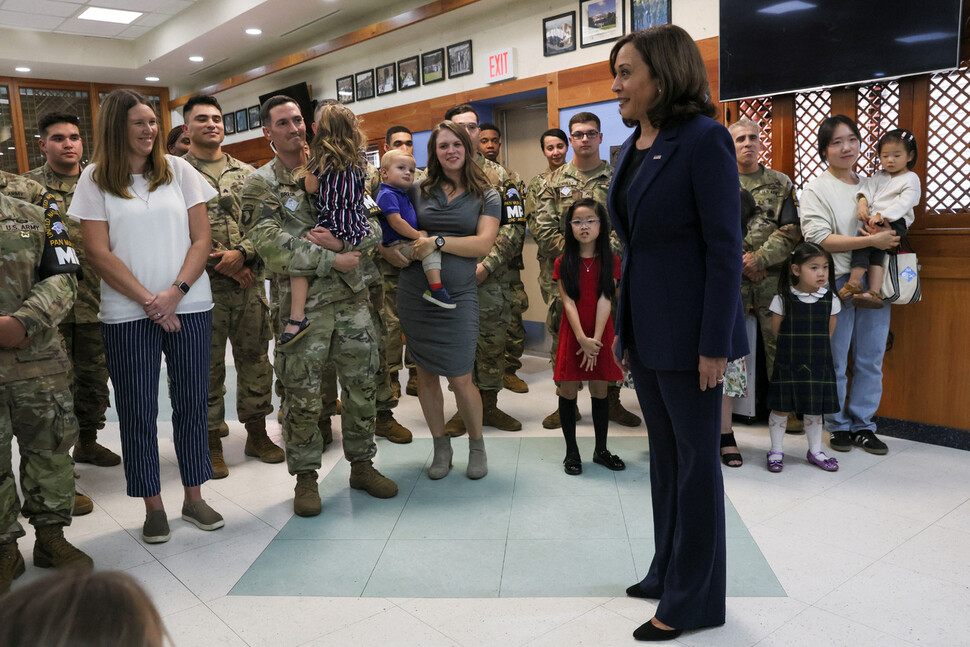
pixel 601 421
pixel 567 418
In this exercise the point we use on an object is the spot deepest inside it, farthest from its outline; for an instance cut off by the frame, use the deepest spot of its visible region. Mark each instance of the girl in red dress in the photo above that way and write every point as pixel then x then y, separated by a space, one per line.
pixel 587 273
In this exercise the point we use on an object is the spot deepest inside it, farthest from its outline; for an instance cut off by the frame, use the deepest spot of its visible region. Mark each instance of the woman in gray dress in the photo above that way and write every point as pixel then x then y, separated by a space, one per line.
pixel 461 213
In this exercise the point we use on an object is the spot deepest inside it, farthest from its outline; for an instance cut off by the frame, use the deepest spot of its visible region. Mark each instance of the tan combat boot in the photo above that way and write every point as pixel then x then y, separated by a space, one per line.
pixel 618 414
pixel 52 550
pixel 219 468
pixel 258 444
pixel 364 476
pixel 82 505
pixel 412 386
pixel 492 416
pixel 306 495
pixel 87 450
pixel 456 426
pixel 513 382
pixel 11 565
pixel 223 430
pixel 388 427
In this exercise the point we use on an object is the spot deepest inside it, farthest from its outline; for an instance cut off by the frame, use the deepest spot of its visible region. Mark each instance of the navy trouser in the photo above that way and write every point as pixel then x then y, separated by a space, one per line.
pixel 134 352
pixel 689 569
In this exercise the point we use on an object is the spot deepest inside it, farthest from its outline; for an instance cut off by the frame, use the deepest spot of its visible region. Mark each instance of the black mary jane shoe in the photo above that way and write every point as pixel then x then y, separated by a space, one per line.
pixel 608 460
pixel 728 440
pixel 649 632
pixel 302 326
pixel 572 465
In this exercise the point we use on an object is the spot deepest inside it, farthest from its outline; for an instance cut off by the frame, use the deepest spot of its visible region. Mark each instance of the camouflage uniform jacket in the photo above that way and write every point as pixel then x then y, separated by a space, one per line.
pixel 22 188
pixel 773 230
pixel 532 194
pixel 276 215
pixel 564 186
pixel 511 235
pixel 88 301
pixel 38 304
pixel 225 211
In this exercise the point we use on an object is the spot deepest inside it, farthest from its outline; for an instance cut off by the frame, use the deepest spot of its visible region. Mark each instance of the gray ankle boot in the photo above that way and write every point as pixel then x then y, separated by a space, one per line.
pixel 441 462
pixel 477 461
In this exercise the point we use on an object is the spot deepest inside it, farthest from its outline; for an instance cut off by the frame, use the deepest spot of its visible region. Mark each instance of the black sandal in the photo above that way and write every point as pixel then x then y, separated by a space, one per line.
pixel 727 440
pixel 287 337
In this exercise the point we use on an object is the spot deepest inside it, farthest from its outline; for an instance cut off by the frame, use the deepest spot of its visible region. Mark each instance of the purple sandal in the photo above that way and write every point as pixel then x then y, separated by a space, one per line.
pixel 822 461
pixel 776 464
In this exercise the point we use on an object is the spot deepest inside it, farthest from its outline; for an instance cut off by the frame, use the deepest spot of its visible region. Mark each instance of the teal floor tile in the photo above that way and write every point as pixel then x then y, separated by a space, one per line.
pixel 567 568
pixel 454 518
pixel 635 479
pixel 358 516
pixel 326 568
pixel 499 483
pixel 552 450
pixel 548 479
pixel 438 569
pixel 637 515
pixel 748 572
pixel 565 517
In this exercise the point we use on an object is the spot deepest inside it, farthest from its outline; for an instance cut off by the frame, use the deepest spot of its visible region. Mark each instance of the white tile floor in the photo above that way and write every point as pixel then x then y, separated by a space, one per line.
pixel 875 554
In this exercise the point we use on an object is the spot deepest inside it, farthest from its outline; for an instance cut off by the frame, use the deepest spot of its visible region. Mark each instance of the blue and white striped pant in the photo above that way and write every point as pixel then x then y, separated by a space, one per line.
pixel 134 353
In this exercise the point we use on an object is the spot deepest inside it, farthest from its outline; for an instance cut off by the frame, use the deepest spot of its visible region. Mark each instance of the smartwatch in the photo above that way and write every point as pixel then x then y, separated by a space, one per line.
pixel 183 286
pixel 439 242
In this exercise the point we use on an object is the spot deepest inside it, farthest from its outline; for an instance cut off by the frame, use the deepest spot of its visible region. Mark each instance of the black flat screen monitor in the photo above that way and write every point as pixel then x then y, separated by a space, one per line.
pixel 299 93
pixel 772 47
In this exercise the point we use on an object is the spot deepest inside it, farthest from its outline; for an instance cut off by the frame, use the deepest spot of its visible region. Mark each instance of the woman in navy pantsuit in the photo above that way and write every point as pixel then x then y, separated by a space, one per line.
pixel 675 204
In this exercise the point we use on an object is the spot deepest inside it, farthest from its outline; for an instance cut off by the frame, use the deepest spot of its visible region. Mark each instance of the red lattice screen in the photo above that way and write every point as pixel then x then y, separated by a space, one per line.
pixel 759 111
pixel 811 109
pixel 878 113
pixel 948 149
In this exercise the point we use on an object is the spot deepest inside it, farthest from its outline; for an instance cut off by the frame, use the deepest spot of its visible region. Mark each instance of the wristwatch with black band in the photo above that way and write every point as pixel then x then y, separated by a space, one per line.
pixel 439 242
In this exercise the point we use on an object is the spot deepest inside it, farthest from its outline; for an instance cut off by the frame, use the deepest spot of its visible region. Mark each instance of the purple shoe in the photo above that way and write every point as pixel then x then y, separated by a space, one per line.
pixel 776 464
pixel 823 461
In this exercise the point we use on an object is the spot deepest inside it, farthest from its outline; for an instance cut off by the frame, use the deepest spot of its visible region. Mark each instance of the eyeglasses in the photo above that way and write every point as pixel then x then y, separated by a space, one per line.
pixel 580 135
pixel 584 223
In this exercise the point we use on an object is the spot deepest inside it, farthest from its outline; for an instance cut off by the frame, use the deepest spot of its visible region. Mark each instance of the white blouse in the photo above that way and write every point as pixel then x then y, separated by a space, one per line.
pixel 778 305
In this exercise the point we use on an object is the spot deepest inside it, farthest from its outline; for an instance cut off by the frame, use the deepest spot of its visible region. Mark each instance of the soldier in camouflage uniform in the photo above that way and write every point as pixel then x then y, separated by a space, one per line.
pixel 240 312
pixel 397 138
pixel 585 176
pixel 494 274
pixel 490 146
pixel 60 141
pixel 770 235
pixel 278 215
pixel 37 265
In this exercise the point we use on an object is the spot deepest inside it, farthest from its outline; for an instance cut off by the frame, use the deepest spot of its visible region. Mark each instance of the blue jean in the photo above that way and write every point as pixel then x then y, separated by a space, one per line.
pixel 864 331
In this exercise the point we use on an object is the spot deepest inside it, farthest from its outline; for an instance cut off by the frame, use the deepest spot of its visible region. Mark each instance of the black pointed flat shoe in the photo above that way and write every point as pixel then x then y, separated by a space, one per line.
pixel 649 632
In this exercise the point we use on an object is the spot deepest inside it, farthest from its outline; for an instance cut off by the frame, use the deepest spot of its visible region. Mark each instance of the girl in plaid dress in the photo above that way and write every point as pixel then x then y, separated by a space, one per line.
pixel 803 380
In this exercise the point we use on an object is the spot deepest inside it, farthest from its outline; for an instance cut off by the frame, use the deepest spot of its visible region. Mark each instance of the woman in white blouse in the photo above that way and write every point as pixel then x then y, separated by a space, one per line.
pixel 146 232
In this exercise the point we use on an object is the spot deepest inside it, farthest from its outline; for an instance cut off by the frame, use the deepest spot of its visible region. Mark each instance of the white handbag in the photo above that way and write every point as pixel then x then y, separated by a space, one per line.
pixel 900 283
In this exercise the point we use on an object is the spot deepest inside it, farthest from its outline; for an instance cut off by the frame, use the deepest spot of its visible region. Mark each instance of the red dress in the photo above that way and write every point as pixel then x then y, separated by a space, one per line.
pixel 567 361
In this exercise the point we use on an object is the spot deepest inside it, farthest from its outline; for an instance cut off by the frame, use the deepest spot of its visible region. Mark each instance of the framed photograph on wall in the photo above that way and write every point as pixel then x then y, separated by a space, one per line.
pixel 229 123
pixel 648 13
pixel 433 66
pixel 386 79
pixel 559 34
pixel 408 73
pixel 365 84
pixel 600 21
pixel 460 59
pixel 242 120
pixel 254 117
pixel 345 89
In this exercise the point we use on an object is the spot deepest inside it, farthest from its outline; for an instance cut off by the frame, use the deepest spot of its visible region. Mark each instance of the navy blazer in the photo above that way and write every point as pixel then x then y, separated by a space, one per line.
pixel 680 287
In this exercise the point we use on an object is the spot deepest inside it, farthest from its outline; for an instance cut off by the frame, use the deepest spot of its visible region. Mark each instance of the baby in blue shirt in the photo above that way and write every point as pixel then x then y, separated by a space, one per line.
pixel 400 223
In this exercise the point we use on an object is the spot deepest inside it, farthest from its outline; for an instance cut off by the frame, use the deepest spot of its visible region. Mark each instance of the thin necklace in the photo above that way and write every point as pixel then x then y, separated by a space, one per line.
pixel 585 266
pixel 145 200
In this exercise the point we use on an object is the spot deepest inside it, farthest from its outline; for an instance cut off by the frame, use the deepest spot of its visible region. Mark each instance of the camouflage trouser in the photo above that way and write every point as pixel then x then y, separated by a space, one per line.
pixel 242 317
pixel 515 336
pixel 755 298
pixel 341 334
pixel 395 343
pixel 40 413
pixel 494 312
pixel 328 379
pixel 385 396
pixel 553 321
pixel 89 377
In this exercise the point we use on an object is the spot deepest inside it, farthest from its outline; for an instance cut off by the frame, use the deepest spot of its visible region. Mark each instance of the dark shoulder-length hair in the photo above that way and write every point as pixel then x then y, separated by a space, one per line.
pixel 472 177
pixel 112 172
pixel 676 63
pixel 570 261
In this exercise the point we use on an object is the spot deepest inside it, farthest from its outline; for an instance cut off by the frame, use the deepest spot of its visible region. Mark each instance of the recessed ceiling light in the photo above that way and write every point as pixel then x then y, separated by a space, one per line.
pixel 196 59
pixel 22 69
pixel 109 15
pixel 252 31
pixel 151 78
